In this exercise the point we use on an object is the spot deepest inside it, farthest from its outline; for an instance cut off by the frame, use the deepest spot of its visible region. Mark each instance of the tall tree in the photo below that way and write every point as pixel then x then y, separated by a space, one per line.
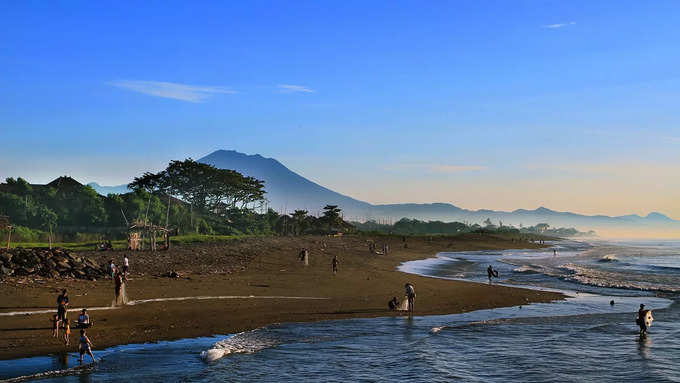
pixel 331 216
pixel 300 220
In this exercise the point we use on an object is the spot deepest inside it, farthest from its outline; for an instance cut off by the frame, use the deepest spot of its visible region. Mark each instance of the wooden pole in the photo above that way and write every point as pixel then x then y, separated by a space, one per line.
pixel 9 237
pixel 167 214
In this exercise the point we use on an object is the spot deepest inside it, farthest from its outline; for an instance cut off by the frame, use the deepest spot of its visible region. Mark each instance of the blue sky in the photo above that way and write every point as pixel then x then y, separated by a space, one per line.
pixel 484 104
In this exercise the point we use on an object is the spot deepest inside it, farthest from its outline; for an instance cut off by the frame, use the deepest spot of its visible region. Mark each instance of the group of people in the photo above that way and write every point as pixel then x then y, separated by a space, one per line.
pixel 409 295
pixel 60 319
pixel 303 256
pixel 112 269
pixel 373 249
pixel 83 323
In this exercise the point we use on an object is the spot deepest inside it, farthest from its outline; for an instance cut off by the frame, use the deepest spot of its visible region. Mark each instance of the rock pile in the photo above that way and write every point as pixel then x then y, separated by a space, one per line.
pixel 49 263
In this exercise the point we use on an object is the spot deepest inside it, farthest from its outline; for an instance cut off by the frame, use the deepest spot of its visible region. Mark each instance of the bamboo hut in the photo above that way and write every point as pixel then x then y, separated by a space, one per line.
pixel 141 232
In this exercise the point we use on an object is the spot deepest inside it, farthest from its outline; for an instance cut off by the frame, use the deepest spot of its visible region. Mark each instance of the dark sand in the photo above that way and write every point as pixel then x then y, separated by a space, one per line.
pixel 256 266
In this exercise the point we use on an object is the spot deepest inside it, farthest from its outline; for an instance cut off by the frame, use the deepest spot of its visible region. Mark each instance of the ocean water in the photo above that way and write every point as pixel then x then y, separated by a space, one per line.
pixel 581 339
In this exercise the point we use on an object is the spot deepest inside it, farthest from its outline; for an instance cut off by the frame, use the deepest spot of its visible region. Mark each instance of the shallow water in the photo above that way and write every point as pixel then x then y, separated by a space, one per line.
pixel 581 339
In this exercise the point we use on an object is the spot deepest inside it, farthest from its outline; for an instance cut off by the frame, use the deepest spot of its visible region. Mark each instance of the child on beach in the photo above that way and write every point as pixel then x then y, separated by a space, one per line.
pixel 55 325
pixel 84 320
pixel 85 346
pixel 67 332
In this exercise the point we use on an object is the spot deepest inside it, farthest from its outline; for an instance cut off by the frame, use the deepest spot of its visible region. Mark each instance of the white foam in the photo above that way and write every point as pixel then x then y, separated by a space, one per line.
pixel 241 343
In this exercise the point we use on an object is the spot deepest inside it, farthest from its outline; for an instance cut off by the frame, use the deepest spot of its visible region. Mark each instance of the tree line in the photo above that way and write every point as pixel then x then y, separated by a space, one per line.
pixel 188 196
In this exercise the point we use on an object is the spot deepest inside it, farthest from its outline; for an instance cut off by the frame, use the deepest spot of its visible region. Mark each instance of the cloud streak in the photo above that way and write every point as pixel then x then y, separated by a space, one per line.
pixel 175 91
pixel 558 25
pixel 288 88
pixel 436 168
pixel 455 168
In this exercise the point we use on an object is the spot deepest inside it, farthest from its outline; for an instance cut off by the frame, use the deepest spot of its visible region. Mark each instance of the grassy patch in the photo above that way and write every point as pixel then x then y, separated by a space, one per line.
pixel 122 244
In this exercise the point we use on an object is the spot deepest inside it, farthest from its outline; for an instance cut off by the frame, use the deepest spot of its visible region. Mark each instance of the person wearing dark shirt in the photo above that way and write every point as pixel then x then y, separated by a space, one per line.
pixel 62 305
pixel 491 273
pixel 641 319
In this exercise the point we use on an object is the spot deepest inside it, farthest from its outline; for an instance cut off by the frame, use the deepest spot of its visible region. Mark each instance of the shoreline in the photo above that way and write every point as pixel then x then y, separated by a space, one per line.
pixel 361 289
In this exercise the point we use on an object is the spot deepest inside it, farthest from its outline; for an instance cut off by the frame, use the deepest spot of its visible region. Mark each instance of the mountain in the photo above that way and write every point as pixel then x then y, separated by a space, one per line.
pixel 288 191
pixel 106 190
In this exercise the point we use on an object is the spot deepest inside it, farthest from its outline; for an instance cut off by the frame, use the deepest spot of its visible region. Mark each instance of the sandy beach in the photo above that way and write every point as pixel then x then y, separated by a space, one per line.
pixel 234 286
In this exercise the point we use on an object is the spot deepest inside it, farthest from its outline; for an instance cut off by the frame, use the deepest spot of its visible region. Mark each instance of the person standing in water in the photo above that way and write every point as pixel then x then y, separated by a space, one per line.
pixel 491 273
pixel 411 296
pixel 641 320
pixel 67 333
pixel 335 263
pixel 85 346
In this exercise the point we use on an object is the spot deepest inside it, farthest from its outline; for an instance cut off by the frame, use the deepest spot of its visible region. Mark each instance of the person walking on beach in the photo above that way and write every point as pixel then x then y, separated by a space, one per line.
pixel 126 266
pixel 85 346
pixel 411 296
pixel 111 269
pixel 491 273
pixel 335 263
pixel 62 305
pixel 304 257
pixel 554 252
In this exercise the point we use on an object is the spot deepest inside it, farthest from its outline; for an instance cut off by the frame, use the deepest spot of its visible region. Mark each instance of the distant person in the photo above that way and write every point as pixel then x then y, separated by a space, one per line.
pixel 491 273
pixel 411 296
pixel 62 305
pixel 111 268
pixel 554 252
pixel 641 319
pixel 118 282
pixel 85 346
pixel 304 256
pixel 84 320
pixel 67 333
pixel 126 266
pixel 393 304
pixel 55 325
pixel 335 263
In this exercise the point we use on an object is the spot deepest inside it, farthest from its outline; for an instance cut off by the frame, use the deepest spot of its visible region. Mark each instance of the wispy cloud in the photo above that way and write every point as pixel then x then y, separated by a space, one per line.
pixel 558 25
pixel 183 92
pixel 435 168
pixel 455 168
pixel 288 88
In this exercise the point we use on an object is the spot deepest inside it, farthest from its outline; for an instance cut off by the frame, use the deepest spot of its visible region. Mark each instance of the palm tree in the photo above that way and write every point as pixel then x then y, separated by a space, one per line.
pixel 331 215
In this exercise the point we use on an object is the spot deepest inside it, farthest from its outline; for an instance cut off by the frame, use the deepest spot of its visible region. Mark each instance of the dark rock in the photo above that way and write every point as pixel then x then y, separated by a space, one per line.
pixel 5 271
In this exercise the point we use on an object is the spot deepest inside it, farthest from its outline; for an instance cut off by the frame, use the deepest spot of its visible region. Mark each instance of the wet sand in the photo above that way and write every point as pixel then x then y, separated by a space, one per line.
pixel 227 274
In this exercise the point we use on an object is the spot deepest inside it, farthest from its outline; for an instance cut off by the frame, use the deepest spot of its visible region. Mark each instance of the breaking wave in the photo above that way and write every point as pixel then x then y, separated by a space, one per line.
pixel 609 258
pixel 602 278
pixel 242 343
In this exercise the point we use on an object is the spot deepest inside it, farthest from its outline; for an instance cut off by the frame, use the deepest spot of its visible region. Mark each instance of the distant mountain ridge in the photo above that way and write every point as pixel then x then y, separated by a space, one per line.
pixel 288 191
